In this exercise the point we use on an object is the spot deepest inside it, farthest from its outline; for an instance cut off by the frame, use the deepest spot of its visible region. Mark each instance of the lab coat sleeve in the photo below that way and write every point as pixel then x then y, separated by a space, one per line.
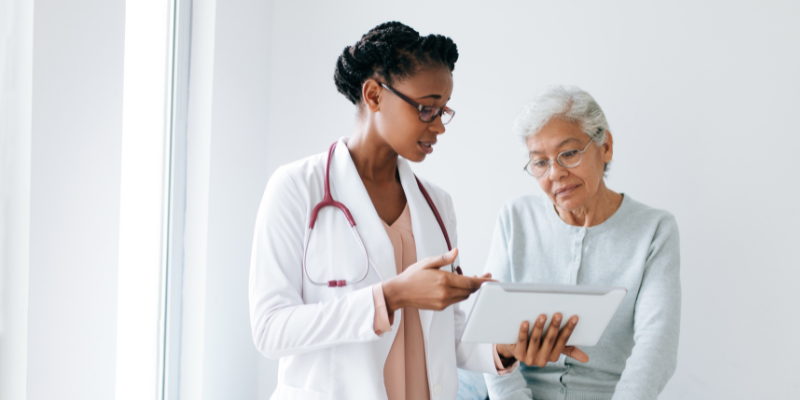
pixel 281 323
pixel 478 357
pixel 656 322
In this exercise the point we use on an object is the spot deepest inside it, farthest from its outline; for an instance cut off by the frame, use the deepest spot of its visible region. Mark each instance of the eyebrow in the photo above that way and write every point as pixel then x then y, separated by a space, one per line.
pixel 559 145
pixel 432 96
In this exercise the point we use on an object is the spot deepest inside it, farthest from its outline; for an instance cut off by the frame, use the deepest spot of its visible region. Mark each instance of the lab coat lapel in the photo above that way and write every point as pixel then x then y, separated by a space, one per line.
pixel 428 237
pixel 348 189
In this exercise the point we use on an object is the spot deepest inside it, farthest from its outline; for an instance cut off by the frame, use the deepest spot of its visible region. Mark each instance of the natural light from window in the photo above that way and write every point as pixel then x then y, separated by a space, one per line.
pixel 143 207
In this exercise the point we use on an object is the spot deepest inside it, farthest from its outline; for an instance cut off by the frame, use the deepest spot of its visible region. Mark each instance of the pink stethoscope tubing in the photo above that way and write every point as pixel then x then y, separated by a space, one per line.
pixel 328 201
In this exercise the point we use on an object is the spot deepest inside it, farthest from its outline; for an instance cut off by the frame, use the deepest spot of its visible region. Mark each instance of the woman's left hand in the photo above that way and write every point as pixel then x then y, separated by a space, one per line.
pixel 535 350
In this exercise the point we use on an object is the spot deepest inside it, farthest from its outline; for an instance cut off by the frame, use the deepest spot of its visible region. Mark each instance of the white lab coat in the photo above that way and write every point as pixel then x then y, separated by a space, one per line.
pixel 324 336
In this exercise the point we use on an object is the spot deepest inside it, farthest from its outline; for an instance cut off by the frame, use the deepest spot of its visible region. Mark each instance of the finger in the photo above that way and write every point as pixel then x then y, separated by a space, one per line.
pixel 576 353
pixel 549 340
pixel 522 342
pixel 455 295
pixel 563 336
pixel 535 339
pixel 466 282
pixel 505 350
pixel 488 277
pixel 441 261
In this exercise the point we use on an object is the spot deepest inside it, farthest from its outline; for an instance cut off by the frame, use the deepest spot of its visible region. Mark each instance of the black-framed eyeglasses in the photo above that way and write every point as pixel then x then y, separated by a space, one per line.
pixel 537 168
pixel 426 113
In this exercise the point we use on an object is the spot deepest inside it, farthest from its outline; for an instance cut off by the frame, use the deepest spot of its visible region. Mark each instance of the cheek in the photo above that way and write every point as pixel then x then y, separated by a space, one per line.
pixel 591 179
pixel 400 124
pixel 403 137
pixel 545 185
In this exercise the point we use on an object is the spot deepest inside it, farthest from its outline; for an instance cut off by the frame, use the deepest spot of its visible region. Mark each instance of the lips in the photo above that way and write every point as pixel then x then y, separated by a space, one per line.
pixel 426 146
pixel 565 190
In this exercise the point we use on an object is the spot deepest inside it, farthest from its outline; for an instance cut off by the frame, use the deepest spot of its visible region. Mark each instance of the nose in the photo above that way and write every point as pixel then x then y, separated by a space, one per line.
pixel 437 126
pixel 557 171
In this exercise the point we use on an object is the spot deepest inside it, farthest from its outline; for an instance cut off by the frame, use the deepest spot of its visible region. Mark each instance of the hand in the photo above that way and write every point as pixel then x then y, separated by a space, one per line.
pixel 534 350
pixel 424 286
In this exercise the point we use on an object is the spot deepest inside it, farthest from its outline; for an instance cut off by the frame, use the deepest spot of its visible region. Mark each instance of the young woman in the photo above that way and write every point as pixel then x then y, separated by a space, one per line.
pixel 345 281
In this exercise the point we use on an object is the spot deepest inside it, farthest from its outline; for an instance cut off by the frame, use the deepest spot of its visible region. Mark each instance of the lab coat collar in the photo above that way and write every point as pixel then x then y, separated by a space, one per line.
pixel 428 236
pixel 348 189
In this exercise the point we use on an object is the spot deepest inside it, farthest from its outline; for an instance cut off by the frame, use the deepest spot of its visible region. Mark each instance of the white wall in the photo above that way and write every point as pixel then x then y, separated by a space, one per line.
pixel 226 174
pixel 74 198
pixel 238 174
pixel 700 97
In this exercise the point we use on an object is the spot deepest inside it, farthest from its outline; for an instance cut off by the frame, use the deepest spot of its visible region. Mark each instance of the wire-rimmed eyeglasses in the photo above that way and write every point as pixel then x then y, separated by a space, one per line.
pixel 426 113
pixel 537 168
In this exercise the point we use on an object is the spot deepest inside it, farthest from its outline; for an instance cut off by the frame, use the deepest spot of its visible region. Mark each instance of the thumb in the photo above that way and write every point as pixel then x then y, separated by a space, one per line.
pixel 576 353
pixel 441 261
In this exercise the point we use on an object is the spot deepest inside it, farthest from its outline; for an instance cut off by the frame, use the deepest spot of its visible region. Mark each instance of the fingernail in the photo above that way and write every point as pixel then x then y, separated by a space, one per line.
pixel 575 319
pixel 541 319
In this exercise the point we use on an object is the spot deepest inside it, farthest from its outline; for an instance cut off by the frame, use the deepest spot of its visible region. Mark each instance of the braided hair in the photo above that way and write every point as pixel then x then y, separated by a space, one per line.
pixel 391 51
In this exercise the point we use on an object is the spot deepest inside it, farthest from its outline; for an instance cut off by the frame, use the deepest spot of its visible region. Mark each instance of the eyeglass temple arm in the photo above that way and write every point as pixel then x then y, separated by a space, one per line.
pixel 402 96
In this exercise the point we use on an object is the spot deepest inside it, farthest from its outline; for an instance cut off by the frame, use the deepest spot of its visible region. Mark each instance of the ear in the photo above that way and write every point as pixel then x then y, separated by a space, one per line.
pixel 608 148
pixel 371 94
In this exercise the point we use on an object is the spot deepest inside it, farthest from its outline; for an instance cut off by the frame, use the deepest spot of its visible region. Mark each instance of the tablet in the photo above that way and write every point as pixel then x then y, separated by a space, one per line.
pixel 499 308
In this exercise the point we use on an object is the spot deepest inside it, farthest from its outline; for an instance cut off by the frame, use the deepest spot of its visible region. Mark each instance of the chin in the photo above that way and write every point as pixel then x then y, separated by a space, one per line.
pixel 569 204
pixel 415 156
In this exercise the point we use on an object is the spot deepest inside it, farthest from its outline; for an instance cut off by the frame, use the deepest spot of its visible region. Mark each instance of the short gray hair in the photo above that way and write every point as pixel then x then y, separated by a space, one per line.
pixel 567 103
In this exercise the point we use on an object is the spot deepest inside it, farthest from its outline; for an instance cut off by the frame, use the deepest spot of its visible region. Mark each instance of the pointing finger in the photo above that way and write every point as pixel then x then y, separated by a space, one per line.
pixel 441 261
pixel 467 282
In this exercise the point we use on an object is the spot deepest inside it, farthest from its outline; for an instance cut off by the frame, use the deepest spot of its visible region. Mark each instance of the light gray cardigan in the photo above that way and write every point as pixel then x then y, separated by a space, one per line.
pixel 637 248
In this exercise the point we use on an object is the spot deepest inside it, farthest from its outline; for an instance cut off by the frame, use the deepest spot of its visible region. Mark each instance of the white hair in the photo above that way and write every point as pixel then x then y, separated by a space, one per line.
pixel 567 103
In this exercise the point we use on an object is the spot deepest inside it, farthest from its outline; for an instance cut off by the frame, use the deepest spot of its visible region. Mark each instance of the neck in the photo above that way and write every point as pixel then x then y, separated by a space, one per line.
pixel 375 160
pixel 595 211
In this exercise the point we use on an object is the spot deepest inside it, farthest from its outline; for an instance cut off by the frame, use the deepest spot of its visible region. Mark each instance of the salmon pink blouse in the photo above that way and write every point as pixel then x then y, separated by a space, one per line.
pixel 405 372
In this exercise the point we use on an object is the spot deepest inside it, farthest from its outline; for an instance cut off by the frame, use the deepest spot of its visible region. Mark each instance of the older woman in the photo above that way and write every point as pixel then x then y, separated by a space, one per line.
pixel 584 233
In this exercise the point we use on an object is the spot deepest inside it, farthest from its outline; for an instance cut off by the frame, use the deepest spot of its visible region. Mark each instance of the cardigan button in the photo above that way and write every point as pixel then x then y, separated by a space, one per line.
pixel 437 389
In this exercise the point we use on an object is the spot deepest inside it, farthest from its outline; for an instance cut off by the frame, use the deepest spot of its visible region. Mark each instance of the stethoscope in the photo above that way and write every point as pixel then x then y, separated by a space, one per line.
pixel 328 201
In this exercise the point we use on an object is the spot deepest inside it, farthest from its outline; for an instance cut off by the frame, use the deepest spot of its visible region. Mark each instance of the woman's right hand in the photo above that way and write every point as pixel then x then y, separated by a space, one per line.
pixel 424 286
pixel 536 350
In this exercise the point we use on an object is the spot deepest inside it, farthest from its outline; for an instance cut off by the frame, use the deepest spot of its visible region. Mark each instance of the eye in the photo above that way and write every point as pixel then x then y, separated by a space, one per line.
pixel 428 112
pixel 569 154
pixel 539 163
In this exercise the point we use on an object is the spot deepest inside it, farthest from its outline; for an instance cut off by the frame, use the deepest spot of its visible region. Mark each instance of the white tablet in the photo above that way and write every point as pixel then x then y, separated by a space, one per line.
pixel 499 308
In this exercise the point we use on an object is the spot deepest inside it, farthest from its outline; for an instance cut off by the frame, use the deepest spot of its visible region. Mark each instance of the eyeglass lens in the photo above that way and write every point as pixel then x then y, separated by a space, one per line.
pixel 567 159
pixel 428 114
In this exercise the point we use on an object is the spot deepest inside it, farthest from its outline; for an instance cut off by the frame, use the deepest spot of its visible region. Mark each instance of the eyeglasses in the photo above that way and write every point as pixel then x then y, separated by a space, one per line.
pixel 426 113
pixel 568 159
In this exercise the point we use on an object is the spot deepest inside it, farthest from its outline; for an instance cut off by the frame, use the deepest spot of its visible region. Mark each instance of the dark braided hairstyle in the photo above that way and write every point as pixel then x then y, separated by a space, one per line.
pixel 391 51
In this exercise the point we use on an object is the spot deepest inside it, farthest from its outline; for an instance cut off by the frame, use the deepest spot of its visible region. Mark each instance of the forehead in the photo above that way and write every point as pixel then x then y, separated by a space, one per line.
pixel 436 81
pixel 555 136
